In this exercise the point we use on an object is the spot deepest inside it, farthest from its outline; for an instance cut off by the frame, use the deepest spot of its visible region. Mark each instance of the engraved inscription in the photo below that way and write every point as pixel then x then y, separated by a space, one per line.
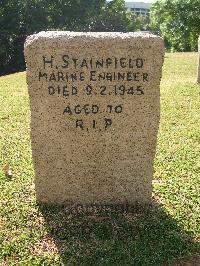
pixel 109 77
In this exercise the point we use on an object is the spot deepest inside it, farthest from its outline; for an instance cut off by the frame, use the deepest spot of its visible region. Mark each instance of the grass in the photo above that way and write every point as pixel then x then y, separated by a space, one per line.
pixel 163 235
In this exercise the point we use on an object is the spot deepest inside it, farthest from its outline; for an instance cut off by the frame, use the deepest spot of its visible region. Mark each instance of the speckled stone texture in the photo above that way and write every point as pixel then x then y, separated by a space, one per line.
pixel 95 107
pixel 198 69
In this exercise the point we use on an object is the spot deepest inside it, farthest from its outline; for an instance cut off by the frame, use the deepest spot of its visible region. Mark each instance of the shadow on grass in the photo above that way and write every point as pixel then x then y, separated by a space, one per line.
pixel 109 235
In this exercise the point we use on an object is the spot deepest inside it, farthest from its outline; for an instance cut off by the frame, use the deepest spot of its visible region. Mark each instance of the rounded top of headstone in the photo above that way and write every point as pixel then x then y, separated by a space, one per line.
pixel 89 36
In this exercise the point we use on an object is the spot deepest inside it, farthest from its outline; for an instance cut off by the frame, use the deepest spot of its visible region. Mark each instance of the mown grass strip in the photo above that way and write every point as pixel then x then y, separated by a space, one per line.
pixel 168 231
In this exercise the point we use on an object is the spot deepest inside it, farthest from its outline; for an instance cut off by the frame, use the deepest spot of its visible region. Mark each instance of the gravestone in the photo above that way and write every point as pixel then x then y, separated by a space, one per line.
pixel 198 68
pixel 95 107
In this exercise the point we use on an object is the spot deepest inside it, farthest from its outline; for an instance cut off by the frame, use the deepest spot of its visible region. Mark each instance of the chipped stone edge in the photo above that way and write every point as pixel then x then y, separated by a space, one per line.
pixel 88 36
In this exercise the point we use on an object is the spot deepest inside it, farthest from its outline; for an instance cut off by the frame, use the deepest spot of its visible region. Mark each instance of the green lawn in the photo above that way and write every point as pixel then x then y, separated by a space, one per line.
pixel 166 233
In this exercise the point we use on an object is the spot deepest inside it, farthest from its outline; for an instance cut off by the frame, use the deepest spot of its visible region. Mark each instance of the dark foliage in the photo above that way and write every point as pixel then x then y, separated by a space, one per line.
pixel 178 21
pixel 18 19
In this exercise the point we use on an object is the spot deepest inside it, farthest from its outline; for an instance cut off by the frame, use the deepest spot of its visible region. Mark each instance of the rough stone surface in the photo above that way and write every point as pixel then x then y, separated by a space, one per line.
pixel 95 107
pixel 198 69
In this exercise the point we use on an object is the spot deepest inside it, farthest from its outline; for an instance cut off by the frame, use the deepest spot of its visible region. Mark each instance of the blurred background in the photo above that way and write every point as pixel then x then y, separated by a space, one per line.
pixel 177 21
